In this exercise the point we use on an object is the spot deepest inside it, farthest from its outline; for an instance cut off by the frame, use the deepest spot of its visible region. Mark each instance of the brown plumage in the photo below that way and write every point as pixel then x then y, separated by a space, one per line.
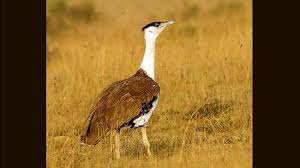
pixel 118 104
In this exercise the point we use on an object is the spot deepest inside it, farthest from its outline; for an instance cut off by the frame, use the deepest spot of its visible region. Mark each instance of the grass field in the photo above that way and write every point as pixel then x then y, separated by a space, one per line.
pixel 203 66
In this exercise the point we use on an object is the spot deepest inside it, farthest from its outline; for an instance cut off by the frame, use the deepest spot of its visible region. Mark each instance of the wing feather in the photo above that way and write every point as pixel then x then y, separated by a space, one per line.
pixel 117 104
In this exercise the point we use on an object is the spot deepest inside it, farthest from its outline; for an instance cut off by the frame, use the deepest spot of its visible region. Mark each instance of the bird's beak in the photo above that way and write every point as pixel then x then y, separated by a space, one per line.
pixel 167 23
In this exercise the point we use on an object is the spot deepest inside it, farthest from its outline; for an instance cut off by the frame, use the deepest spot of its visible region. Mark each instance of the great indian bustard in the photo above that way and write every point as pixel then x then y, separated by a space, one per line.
pixel 129 102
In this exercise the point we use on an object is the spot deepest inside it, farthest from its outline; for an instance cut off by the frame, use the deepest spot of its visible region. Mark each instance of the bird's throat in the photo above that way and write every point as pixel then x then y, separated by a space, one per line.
pixel 148 62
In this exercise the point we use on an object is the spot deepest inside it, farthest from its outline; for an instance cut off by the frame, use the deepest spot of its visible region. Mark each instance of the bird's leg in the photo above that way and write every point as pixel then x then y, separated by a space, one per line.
pixel 117 142
pixel 146 141
pixel 111 141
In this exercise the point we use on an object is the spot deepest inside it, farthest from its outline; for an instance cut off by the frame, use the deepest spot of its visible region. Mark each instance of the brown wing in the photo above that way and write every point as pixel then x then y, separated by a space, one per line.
pixel 118 104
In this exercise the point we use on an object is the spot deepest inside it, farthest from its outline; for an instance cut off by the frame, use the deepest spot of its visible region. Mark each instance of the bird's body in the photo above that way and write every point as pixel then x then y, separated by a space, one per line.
pixel 129 102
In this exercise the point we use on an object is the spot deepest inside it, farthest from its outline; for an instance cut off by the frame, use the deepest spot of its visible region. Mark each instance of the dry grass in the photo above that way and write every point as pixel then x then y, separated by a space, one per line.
pixel 203 65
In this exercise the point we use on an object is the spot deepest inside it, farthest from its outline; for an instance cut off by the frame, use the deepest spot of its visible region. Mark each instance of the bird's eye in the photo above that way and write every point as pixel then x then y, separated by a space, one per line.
pixel 156 24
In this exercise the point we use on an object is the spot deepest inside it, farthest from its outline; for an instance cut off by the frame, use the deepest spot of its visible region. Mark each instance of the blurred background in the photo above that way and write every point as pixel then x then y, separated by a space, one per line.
pixel 203 66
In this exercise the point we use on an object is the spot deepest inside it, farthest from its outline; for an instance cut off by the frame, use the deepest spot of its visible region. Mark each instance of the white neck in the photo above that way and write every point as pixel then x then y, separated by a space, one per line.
pixel 148 62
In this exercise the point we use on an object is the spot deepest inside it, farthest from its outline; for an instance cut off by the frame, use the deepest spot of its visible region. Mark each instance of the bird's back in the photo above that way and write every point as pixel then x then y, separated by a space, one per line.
pixel 118 104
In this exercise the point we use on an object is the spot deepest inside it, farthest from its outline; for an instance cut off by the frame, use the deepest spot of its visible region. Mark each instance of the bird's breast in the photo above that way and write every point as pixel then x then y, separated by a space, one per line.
pixel 145 114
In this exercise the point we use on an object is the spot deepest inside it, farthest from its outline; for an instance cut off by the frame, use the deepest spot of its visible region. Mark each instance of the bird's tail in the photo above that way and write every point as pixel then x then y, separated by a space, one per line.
pixel 86 136
pixel 93 133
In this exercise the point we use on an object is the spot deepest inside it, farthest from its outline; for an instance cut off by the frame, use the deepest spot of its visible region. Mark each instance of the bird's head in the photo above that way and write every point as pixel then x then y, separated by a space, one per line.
pixel 155 28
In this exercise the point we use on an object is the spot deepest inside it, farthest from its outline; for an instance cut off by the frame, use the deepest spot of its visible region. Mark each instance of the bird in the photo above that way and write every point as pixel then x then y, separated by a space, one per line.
pixel 129 102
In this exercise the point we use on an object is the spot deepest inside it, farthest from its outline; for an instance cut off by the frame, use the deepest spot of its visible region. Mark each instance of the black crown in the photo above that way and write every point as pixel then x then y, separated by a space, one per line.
pixel 155 24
